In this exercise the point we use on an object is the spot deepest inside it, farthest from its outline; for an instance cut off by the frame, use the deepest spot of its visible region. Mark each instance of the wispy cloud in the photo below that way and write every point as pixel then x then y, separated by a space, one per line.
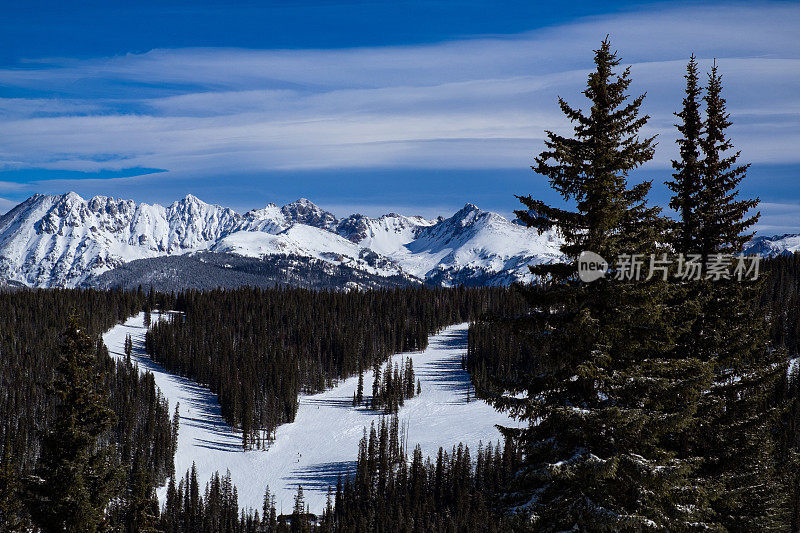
pixel 778 218
pixel 6 205
pixel 474 103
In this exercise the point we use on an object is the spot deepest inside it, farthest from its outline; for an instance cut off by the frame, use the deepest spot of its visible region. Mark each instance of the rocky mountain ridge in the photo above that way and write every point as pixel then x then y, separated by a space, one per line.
pixel 67 241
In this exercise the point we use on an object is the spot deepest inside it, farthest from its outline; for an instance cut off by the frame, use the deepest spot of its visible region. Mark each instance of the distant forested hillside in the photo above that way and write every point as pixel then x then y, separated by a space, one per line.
pixel 210 270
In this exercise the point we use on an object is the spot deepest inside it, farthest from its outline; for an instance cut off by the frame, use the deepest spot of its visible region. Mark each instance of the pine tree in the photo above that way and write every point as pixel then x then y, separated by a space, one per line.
pixel 299 517
pixel 376 387
pixel 688 176
pixel 142 512
pixel 360 389
pixel 724 220
pixel 327 514
pixel 175 430
pixel 736 416
pixel 76 476
pixel 608 390
pixel 172 506
pixel 128 348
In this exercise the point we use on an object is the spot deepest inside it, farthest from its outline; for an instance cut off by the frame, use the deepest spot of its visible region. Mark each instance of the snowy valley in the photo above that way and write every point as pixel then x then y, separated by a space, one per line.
pixel 322 442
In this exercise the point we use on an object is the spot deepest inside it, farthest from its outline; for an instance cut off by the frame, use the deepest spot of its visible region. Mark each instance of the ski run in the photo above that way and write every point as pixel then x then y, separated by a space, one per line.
pixel 322 442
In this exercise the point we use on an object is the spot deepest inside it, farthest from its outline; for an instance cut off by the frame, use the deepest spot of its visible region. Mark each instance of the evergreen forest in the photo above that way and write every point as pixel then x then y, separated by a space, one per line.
pixel 653 403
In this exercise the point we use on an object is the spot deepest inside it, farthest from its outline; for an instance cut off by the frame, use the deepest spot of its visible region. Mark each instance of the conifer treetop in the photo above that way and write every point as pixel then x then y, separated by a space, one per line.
pixel 591 168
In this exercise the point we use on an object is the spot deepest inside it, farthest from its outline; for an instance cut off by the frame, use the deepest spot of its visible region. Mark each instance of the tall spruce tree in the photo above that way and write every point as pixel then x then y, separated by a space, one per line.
pixel 607 390
pixel 77 475
pixel 688 176
pixel 736 414
pixel 724 219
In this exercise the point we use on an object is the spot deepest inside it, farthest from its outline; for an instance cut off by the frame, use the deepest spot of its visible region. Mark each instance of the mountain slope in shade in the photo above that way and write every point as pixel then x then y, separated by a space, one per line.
pixel 66 241
pixel 308 241
pixel 208 270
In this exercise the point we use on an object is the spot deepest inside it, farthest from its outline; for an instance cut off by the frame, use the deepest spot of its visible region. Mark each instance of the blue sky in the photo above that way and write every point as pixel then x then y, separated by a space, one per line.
pixel 367 106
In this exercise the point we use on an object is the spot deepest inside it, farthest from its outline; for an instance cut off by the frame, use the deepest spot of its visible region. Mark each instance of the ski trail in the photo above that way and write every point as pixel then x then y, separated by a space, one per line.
pixel 322 442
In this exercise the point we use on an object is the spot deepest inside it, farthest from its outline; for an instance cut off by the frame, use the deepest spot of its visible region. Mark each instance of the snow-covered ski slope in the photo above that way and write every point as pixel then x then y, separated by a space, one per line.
pixel 322 442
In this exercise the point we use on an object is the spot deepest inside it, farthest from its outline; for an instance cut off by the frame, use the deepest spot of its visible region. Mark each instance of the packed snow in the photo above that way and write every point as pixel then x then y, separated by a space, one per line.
pixel 322 442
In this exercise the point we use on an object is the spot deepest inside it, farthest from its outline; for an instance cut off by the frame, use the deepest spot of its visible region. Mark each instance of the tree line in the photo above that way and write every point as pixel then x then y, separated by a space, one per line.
pixel 387 491
pixel 258 349
pixel 76 428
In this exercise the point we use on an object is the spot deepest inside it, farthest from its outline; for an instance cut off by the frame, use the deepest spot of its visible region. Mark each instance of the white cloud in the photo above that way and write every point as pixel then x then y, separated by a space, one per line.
pixel 11 186
pixel 778 218
pixel 6 205
pixel 473 103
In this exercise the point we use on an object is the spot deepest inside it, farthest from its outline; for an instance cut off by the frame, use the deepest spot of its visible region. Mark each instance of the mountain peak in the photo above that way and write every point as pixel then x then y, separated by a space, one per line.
pixel 69 198
pixel 304 211
pixel 66 241
pixel 467 214
pixel 190 199
pixel 304 201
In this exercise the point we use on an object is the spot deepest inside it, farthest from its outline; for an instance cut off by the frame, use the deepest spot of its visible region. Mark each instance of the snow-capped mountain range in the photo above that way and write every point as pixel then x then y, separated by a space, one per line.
pixel 67 241
pixel 775 245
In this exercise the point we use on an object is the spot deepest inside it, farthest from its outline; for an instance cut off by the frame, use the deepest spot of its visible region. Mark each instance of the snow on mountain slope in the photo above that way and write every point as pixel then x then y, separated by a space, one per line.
pixel 60 241
pixel 385 235
pixel 476 244
pixel 307 241
pixel 270 219
pixel 323 440
pixel 774 245
pixel 473 247
pixel 66 241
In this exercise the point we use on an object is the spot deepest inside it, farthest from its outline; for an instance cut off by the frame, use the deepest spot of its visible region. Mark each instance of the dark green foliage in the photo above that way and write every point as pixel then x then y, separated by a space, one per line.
pixel 128 348
pixel 500 350
pixel 591 170
pixel 787 449
pixel 392 387
pixel 215 510
pixel 300 520
pixel 360 389
pixel 258 349
pixel 724 222
pixel 735 423
pixel 688 176
pixel 604 391
pixel 780 301
pixel 76 475
pixel 31 323
pixel 389 493
pixel 12 513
